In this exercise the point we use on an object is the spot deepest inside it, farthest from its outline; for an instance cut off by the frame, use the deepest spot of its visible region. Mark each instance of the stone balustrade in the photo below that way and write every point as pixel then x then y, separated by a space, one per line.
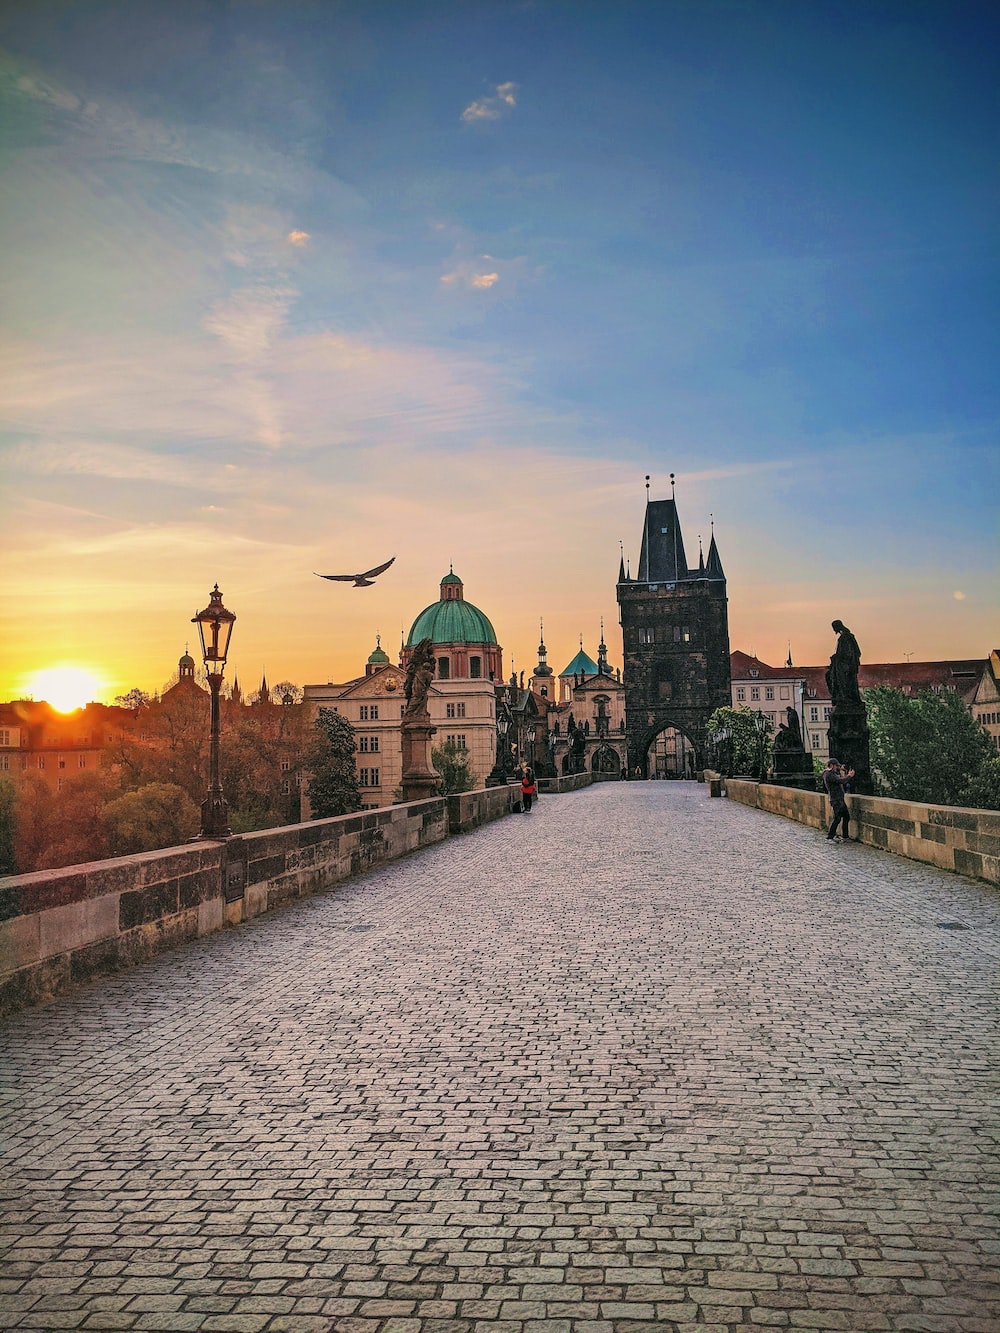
pixel 953 838
pixel 60 927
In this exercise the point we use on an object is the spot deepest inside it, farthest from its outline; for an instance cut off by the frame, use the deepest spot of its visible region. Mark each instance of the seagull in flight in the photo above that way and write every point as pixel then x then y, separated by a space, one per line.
pixel 364 580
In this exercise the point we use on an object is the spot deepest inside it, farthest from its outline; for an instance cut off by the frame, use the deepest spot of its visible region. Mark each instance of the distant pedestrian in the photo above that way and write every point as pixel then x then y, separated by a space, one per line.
pixel 836 779
pixel 528 790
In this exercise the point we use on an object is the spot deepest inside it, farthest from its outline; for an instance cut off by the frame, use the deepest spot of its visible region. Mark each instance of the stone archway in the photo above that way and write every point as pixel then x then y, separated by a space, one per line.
pixel 671 754
pixel 606 759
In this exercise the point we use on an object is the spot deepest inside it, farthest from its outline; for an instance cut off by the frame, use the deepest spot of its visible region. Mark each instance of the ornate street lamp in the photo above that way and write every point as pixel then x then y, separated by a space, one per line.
pixel 498 774
pixel 215 626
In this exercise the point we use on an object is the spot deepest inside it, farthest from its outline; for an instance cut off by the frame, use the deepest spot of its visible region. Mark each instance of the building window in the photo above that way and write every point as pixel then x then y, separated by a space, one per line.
pixel 286 788
pixel 449 710
pixel 4 737
pixel 686 633
pixel 755 693
pixel 61 762
pixel 368 744
pixel 647 635
pixel 458 741
pixel 741 694
pixel 769 693
pixel 41 761
pixel 363 744
pixel 83 761
pixel 476 667
pixel 815 741
pixel 368 777
pixel 59 783
pixel 460 710
pixel 285 764
pixel 363 714
pixel 444 668
pixel 4 761
pixel 826 715
pixel 813 714
pixel 373 744
pixel 677 634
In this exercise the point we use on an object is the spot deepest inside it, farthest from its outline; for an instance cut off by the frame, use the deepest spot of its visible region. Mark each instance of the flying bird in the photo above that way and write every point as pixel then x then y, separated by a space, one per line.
pixel 364 580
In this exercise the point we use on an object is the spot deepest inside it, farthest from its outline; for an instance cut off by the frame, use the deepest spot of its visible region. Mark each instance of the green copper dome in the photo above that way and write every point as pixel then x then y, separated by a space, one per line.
pixel 452 619
pixel 379 657
pixel 452 622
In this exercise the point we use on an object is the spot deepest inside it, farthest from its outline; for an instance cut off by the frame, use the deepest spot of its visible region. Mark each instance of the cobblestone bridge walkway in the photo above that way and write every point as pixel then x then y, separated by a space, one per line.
pixel 639 1060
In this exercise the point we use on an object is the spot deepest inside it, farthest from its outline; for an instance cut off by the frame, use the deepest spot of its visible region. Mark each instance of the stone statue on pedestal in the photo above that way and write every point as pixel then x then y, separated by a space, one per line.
pixel 792 765
pixel 420 779
pixel 848 735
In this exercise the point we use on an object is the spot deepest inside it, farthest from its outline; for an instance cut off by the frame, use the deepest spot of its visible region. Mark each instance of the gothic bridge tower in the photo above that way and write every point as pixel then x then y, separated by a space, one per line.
pixel 675 636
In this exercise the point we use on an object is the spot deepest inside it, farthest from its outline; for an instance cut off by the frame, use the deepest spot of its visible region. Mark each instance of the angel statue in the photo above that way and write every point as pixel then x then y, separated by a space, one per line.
pixel 419 675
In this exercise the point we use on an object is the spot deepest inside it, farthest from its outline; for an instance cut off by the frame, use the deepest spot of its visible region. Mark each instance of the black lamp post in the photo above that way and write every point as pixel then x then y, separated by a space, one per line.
pixel 215 626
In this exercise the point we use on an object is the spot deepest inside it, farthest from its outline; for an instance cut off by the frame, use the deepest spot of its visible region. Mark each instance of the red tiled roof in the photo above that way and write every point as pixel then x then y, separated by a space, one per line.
pixel 913 677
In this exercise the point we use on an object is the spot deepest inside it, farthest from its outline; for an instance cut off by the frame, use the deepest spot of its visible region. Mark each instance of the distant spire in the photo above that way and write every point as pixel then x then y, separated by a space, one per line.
pixel 713 565
pixel 602 655
pixel 543 668
pixel 621 564
pixel 701 558
pixel 788 661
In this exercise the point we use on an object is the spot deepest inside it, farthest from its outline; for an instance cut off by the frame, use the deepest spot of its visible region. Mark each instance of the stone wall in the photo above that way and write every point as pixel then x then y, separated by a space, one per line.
pixel 966 841
pixel 60 927
pixel 568 782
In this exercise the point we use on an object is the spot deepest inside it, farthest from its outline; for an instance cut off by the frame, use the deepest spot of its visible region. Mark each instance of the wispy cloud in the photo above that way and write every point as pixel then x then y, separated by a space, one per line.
pixel 299 238
pixel 500 104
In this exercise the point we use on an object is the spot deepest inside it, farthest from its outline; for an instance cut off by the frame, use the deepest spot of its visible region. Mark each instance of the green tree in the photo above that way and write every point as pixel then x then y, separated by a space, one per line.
pixel 157 815
pixel 8 826
pixel 924 747
pixel 749 750
pixel 59 828
pixel 983 792
pixel 333 775
pixel 453 765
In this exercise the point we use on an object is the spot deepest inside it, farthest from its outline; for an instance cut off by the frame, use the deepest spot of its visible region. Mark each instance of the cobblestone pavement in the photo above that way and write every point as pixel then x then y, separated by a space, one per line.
pixel 638 1060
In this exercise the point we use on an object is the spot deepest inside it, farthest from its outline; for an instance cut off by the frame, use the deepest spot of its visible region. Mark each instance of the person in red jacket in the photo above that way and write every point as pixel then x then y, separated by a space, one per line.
pixel 528 789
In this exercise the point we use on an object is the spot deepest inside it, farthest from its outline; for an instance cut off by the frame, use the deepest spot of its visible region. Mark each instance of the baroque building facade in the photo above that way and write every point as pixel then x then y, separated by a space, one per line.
pixel 461 700
pixel 675 639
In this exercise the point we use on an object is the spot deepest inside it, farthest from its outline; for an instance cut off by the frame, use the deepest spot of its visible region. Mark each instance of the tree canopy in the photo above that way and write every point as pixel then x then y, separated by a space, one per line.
pixel 333 776
pixel 925 747
pixel 738 740
pixel 453 765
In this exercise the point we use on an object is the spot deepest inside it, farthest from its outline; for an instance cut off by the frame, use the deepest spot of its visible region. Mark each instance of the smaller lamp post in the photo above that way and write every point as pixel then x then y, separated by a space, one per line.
pixel 215 626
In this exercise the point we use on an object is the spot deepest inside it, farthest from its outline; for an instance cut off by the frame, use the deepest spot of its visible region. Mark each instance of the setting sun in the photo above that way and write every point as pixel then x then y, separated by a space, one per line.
pixel 65 687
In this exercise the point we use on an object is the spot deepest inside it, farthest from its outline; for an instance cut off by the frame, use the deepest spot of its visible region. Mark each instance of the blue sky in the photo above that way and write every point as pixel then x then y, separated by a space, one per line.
pixel 298 286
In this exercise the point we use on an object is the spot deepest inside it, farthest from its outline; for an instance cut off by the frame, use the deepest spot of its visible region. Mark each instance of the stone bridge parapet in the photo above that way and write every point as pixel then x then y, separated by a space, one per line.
pixel 61 927
pixel 950 837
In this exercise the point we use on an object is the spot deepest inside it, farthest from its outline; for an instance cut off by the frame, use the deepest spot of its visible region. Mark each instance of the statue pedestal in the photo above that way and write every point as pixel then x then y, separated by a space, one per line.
pixel 848 741
pixel 793 768
pixel 420 779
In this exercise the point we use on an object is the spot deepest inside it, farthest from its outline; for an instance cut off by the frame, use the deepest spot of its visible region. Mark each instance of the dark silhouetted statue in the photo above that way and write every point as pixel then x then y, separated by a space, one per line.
pixel 848 734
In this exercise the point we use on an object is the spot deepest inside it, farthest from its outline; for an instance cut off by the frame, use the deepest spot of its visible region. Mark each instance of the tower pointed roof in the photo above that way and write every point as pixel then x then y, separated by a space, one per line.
pixel 662 558
pixel 713 565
